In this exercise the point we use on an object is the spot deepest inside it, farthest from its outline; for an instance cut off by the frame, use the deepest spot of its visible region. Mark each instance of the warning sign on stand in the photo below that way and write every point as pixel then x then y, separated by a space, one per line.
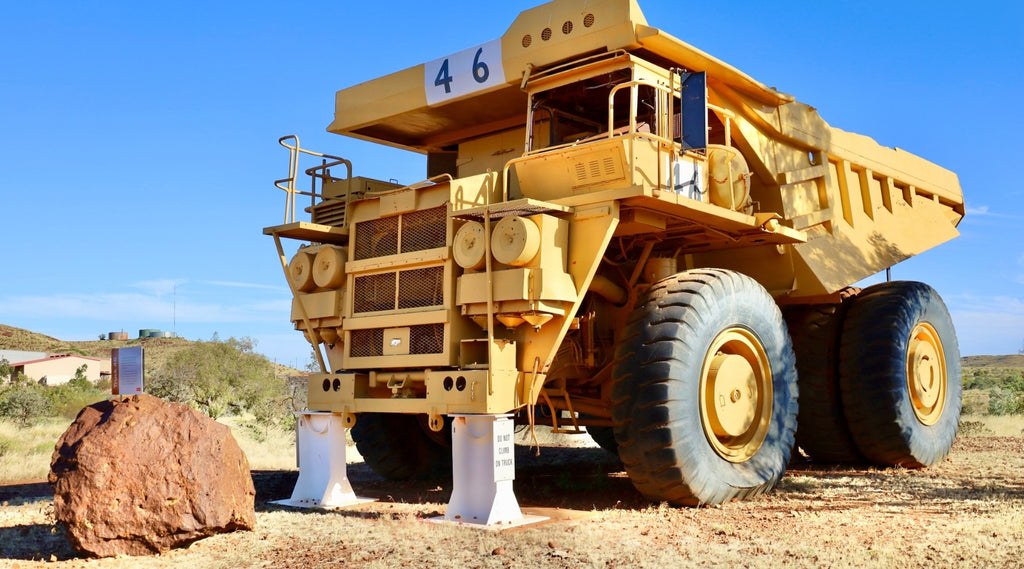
pixel 504 451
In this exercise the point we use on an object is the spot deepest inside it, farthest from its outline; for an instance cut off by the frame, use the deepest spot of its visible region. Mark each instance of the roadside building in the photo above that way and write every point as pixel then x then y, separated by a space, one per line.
pixel 21 355
pixel 59 369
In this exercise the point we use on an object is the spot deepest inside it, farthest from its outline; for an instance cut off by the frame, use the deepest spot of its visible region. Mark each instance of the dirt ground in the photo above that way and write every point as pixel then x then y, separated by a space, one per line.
pixel 965 512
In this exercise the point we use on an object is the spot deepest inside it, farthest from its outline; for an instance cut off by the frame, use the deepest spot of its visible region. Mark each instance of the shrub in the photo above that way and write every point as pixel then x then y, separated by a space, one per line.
pixel 69 399
pixel 1004 401
pixel 222 377
pixel 24 402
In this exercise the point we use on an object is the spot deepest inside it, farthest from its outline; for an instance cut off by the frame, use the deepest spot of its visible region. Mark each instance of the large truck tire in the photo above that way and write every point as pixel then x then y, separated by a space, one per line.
pixel 604 437
pixel 900 375
pixel 821 430
pixel 402 447
pixel 704 393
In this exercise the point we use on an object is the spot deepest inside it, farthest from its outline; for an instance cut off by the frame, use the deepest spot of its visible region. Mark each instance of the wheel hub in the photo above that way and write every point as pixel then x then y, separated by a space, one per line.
pixel 736 394
pixel 926 373
pixel 731 378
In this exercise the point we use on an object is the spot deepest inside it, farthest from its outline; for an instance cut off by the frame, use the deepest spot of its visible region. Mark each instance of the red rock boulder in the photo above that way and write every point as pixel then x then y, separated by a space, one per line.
pixel 139 475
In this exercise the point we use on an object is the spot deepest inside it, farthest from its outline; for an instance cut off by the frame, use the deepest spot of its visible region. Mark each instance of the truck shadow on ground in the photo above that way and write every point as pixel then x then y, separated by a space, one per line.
pixel 573 478
pixel 588 479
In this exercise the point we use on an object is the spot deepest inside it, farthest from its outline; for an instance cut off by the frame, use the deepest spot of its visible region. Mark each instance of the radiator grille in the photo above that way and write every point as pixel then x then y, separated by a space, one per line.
pixel 419 230
pixel 409 289
pixel 376 238
pixel 366 343
pixel 423 339
pixel 373 293
pixel 417 288
pixel 424 229
pixel 426 339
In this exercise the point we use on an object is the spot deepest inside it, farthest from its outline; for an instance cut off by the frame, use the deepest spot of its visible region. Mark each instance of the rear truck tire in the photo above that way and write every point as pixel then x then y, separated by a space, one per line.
pixel 704 393
pixel 604 437
pixel 900 375
pixel 821 430
pixel 402 447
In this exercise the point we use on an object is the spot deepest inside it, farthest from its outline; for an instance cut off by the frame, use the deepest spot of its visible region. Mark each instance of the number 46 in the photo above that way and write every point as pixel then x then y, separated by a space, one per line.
pixel 480 72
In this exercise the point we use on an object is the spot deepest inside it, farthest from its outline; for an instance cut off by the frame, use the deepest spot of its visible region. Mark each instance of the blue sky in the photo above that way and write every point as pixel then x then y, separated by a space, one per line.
pixel 140 140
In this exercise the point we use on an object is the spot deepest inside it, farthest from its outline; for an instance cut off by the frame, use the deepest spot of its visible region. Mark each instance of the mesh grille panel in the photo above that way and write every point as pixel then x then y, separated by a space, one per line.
pixel 423 339
pixel 366 343
pixel 421 230
pixel 424 229
pixel 426 339
pixel 421 287
pixel 376 238
pixel 372 293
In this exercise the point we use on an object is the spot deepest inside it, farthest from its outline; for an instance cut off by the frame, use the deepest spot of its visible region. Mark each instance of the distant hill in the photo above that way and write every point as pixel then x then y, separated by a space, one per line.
pixel 12 338
pixel 1011 361
pixel 158 350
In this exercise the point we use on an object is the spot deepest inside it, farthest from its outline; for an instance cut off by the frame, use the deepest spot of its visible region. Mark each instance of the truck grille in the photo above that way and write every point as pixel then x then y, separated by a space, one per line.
pixel 414 231
pixel 416 288
pixel 420 288
pixel 382 291
pixel 367 343
pixel 423 339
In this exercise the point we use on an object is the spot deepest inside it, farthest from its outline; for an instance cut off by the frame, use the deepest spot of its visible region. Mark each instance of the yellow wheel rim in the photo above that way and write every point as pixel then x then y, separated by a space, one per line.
pixel 736 394
pixel 926 373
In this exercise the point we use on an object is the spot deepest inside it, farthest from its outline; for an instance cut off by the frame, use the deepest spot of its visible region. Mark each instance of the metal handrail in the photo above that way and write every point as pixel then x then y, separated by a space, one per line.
pixel 627 132
pixel 288 184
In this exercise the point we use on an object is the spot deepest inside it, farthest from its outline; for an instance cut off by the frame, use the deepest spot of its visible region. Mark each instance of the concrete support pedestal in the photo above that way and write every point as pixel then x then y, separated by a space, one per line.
pixel 483 468
pixel 323 477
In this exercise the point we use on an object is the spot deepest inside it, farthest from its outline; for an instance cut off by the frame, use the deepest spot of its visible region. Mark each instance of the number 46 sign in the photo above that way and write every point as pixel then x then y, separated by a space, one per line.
pixel 461 73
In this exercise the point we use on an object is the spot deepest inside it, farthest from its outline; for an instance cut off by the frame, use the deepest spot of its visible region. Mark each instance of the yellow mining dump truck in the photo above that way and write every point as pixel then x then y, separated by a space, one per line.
pixel 620 232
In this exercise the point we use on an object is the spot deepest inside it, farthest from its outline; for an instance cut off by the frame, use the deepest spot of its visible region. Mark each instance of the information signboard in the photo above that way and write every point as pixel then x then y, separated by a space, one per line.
pixel 126 370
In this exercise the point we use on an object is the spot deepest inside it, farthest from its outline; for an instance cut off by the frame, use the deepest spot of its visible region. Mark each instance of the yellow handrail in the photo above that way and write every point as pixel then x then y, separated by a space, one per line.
pixel 288 184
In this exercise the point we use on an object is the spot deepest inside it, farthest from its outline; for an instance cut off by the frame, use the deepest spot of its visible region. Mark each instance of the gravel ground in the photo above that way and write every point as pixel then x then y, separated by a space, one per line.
pixel 965 512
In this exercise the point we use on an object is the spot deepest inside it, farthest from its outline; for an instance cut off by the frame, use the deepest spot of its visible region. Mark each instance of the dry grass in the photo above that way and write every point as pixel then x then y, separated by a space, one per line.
pixel 25 451
pixel 967 511
pixel 997 425
pixel 270 449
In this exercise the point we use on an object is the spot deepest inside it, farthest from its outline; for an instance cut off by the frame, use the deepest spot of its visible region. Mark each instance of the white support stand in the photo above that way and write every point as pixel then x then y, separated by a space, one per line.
pixel 323 478
pixel 483 468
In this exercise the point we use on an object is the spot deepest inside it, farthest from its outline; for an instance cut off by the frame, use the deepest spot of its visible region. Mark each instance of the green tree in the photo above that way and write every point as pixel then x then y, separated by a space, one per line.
pixel 5 369
pixel 81 381
pixel 221 377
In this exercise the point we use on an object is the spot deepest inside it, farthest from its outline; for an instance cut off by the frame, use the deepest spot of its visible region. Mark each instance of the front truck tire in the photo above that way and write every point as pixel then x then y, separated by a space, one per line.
pixel 900 375
pixel 402 447
pixel 704 393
